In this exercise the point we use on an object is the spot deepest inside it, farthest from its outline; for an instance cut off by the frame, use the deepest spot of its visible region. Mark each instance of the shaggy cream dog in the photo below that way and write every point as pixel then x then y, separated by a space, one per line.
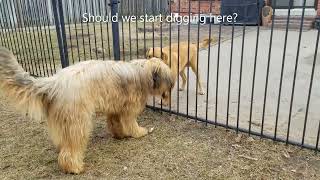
pixel 68 99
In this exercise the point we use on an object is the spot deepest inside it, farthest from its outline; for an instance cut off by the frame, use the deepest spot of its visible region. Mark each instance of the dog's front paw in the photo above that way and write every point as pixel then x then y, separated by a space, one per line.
pixel 75 170
pixel 71 167
pixel 70 161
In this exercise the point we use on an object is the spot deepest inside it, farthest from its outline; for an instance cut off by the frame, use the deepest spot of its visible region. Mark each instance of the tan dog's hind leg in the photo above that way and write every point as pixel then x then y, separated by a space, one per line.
pixel 193 65
pixel 71 139
pixel 184 80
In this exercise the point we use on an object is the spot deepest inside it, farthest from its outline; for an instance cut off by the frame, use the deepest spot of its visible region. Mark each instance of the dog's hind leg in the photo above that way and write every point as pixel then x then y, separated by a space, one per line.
pixel 115 126
pixel 184 80
pixel 196 71
pixel 70 134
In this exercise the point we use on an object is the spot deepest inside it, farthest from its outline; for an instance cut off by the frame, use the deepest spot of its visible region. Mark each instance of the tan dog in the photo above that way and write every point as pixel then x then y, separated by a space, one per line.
pixel 183 59
pixel 68 99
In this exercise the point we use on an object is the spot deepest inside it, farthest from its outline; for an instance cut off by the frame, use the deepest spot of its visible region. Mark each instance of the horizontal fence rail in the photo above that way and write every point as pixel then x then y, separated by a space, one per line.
pixel 260 80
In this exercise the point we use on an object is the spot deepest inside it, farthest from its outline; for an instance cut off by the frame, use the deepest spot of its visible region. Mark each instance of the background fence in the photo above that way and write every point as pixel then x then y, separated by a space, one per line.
pixel 26 12
pixel 258 80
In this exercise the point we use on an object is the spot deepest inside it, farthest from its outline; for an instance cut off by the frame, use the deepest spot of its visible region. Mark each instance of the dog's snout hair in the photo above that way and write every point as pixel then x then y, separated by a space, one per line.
pixel 68 99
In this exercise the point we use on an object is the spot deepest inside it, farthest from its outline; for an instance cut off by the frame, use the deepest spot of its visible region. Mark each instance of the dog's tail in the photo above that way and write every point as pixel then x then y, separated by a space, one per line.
pixel 205 43
pixel 20 88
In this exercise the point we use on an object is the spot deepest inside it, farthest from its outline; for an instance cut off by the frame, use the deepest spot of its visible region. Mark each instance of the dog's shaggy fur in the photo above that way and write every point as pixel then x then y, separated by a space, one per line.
pixel 183 61
pixel 68 99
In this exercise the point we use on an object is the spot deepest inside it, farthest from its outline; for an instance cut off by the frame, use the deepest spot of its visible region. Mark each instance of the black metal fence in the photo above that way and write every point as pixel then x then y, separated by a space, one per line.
pixel 260 80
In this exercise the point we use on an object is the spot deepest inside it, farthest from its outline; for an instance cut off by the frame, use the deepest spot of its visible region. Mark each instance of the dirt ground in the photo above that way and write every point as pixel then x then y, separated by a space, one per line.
pixel 177 149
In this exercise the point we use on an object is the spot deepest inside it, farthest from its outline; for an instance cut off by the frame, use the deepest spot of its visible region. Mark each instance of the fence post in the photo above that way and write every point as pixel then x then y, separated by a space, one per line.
pixel 115 29
pixel 60 31
pixel 63 32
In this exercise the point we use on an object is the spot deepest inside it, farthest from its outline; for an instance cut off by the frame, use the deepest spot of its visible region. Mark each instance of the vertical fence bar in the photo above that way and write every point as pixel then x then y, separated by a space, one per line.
pixel 50 36
pixel 35 38
pixel 1 39
pixel 69 28
pixel 170 50
pixel 295 71
pixel 9 28
pixel 154 101
pixel 188 70
pixel 82 31
pixel 48 40
pixel 137 37
pixel 55 8
pixel 86 4
pixel 129 29
pixel 144 28
pixel 310 87
pixel 63 33
pixel 254 67
pixel 19 25
pixel 240 76
pixel 39 37
pixel 31 40
pixel 108 38
pixel 197 70
pixel 217 77
pixel 161 105
pixel 2 35
pixel 122 33
pixel 46 56
pixel 24 63
pixel 318 136
pixel 230 74
pixel 115 30
pixel 94 27
pixel 75 28
pixel 23 31
pixel 3 42
pixel 5 29
pixel 101 31
pixel 178 88
pixel 29 45
pixel 208 68
pixel 267 76
pixel 282 68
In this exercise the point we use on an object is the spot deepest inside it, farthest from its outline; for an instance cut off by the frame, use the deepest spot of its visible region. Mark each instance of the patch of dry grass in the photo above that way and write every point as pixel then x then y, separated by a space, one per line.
pixel 178 149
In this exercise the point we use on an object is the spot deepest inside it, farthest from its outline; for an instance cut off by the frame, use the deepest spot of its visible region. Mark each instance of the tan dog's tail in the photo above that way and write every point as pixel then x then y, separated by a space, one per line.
pixel 205 43
pixel 20 88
